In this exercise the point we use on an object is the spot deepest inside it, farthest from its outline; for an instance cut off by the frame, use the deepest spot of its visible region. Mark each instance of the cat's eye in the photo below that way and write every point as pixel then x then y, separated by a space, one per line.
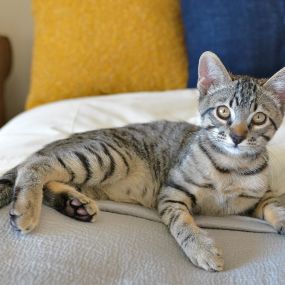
pixel 259 118
pixel 223 112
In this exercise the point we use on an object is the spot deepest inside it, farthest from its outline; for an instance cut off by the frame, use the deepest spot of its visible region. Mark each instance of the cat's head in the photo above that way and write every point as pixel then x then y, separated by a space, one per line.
pixel 240 113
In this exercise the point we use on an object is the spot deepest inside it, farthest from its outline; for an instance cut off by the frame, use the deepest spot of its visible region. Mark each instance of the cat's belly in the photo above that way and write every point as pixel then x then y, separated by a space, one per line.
pixel 138 188
pixel 135 194
pixel 123 192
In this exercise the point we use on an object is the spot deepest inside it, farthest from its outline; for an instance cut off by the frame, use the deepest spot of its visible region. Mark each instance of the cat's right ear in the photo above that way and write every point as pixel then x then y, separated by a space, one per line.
pixel 211 71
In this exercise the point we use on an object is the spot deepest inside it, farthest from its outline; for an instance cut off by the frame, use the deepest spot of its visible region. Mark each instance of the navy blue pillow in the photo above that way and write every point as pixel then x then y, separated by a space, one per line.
pixel 247 35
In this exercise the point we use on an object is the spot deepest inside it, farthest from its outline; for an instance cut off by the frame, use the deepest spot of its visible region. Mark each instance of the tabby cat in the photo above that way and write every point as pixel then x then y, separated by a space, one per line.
pixel 220 168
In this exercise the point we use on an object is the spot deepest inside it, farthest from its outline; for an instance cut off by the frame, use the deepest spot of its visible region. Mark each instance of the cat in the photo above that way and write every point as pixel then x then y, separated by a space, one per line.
pixel 218 168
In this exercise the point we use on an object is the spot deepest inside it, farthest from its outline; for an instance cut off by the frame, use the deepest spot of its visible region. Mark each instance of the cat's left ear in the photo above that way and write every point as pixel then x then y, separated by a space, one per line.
pixel 276 84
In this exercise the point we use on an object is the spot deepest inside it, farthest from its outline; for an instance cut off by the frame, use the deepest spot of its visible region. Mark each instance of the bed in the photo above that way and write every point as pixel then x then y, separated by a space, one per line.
pixel 128 244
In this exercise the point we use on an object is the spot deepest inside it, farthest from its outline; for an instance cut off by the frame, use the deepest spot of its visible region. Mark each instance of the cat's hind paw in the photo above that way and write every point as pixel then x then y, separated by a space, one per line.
pixel 81 209
pixel 68 201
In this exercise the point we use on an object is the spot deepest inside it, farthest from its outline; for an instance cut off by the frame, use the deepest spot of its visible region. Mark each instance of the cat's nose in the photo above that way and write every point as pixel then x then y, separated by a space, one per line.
pixel 238 132
pixel 236 139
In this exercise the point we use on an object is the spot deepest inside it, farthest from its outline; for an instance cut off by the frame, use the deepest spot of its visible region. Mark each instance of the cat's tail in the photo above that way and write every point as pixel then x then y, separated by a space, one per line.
pixel 7 182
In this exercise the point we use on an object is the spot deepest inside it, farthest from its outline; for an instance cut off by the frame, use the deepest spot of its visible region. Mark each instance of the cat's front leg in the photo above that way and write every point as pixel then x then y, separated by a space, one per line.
pixel 174 206
pixel 269 209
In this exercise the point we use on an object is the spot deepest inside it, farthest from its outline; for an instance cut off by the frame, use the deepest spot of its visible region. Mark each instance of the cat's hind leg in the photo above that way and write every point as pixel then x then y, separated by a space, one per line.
pixel 66 161
pixel 67 200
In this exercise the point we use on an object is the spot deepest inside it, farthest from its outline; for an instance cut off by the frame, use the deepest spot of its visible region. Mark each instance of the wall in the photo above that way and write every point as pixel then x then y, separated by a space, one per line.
pixel 16 23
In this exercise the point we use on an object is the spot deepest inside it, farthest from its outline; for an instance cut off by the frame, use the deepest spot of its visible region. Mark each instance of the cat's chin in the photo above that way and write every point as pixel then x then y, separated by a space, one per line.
pixel 240 150
pixel 233 150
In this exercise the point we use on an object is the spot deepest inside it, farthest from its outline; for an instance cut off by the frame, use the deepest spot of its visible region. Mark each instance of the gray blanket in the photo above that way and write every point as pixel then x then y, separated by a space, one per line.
pixel 129 245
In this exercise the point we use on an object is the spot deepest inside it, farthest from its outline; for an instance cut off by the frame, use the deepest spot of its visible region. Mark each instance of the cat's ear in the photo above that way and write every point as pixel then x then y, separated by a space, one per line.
pixel 276 84
pixel 211 71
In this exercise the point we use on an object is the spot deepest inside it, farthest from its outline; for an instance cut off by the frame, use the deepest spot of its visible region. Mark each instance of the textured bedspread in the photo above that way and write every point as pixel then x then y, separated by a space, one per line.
pixel 128 244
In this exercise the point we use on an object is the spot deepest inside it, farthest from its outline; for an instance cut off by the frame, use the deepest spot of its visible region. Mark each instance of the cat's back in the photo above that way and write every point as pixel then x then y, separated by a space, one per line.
pixel 158 132
pixel 147 140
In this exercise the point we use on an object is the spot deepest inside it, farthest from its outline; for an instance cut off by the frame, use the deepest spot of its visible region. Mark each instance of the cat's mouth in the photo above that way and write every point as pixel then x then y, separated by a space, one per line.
pixel 227 145
pixel 234 149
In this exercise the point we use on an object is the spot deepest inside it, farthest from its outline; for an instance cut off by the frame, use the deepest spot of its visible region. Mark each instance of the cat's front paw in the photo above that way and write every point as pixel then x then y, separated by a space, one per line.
pixel 203 253
pixel 24 215
pixel 280 227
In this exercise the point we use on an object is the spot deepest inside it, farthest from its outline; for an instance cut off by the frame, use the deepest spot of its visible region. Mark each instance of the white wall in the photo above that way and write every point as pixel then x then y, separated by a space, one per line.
pixel 16 23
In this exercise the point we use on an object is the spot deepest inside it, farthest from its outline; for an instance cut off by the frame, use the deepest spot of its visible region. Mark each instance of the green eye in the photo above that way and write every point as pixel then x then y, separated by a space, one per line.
pixel 259 118
pixel 223 112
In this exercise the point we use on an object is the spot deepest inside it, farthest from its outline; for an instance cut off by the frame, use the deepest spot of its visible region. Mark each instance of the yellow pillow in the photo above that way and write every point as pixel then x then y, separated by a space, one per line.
pixel 95 47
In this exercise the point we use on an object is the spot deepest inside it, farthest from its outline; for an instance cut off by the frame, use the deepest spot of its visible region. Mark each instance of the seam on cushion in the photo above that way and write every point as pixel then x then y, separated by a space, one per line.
pixel 131 215
pixel 202 226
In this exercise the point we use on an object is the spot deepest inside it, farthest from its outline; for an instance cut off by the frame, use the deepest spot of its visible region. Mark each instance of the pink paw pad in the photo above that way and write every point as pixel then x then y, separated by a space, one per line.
pixel 76 209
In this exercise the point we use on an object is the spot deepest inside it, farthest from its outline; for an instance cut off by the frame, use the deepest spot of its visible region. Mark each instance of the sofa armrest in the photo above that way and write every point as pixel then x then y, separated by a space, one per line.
pixel 5 67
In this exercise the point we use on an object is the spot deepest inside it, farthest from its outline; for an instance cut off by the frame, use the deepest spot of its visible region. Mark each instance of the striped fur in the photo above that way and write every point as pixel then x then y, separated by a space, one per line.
pixel 181 169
